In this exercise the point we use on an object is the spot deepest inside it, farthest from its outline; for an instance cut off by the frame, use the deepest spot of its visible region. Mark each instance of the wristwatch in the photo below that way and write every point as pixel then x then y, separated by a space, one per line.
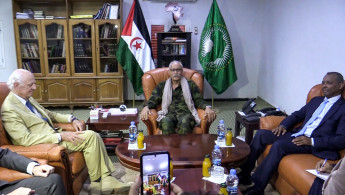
pixel 73 118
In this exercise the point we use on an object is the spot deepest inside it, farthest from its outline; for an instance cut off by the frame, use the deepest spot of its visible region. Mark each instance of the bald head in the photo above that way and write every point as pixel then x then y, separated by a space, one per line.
pixel 22 83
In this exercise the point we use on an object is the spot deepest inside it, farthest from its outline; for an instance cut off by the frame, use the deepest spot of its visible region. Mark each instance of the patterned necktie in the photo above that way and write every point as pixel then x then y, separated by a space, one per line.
pixel 29 105
pixel 312 118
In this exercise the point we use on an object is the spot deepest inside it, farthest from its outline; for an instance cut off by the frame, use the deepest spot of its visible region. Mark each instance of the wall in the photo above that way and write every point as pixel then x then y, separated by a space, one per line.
pixel 302 40
pixel 243 21
pixel 9 42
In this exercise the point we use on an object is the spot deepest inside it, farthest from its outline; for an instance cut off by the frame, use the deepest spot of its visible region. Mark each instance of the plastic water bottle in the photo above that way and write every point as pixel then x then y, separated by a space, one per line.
pixel 216 156
pixel 132 133
pixel 221 132
pixel 232 182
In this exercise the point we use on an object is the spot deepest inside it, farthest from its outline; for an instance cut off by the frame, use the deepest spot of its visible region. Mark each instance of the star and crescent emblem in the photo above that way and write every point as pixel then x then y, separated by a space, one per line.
pixel 136 43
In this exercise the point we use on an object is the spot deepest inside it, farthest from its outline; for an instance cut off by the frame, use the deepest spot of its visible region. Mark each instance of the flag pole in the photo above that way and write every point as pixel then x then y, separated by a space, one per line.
pixel 133 97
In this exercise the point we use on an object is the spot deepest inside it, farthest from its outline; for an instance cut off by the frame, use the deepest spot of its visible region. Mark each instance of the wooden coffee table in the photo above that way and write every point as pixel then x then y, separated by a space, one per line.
pixel 112 123
pixel 187 151
pixel 190 180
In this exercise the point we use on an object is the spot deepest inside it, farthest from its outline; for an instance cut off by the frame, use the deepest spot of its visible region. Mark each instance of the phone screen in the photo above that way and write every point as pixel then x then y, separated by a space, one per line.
pixel 155 173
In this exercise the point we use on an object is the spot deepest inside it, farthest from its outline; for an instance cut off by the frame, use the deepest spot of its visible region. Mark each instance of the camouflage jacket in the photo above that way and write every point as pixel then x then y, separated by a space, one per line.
pixel 178 104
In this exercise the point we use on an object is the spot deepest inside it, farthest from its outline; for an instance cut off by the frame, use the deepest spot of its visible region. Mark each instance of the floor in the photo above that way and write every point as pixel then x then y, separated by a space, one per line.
pixel 225 110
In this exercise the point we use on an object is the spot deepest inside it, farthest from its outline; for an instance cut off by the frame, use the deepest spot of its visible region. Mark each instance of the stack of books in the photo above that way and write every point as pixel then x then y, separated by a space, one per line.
pixel 26 14
pixel 39 14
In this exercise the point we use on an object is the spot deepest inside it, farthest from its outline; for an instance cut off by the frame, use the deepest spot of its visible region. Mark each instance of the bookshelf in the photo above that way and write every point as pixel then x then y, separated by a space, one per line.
pixel 173 46
pixel 73 60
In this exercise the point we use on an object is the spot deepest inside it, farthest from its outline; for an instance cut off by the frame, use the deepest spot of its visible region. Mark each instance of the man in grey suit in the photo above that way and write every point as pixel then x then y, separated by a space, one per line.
pixel 46 181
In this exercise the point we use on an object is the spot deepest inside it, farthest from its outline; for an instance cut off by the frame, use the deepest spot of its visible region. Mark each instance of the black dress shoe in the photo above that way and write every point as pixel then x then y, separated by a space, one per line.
pixel 252 191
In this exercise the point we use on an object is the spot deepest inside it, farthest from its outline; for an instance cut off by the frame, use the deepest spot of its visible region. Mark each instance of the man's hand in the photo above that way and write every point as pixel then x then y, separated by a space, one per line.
pixel 144 115
pixel 22 191
pixel 72 137
pixel 210 114
pixel 327 168
pixel 302 140
pixel 42 170
pixel 78 125
pixel 281 130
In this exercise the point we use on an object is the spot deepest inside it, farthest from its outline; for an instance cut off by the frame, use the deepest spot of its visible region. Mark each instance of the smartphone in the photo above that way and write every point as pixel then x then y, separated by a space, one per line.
pixel 155 173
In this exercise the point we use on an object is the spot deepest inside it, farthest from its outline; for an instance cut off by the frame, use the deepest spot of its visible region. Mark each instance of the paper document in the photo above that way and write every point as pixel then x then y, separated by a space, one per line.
pixel 323 176
pixel 128 111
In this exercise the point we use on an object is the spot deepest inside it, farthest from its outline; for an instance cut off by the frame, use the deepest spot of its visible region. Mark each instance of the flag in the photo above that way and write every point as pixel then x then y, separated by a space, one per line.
pixel 134 52
pixel 215 52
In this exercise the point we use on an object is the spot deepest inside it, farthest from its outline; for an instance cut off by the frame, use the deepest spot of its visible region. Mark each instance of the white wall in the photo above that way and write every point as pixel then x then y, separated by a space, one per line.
pixel 301 41
pixel 243 21
pixel 281 48
pixel 9 42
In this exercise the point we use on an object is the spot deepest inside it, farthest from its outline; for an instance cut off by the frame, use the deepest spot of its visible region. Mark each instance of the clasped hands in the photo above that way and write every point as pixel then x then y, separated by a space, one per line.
pixel 40 170
pixel 299 141
pixel 73 136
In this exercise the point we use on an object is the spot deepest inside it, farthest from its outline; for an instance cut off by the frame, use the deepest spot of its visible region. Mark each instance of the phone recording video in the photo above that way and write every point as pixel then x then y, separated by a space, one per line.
pixel 154 168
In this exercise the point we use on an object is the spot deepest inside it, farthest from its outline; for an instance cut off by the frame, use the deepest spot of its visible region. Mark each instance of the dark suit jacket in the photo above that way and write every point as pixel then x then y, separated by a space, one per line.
pixel 14 161
pixel 329 136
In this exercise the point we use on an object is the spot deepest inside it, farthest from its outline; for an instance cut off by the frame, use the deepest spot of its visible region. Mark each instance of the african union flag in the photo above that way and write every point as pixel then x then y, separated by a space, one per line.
pixel 215 52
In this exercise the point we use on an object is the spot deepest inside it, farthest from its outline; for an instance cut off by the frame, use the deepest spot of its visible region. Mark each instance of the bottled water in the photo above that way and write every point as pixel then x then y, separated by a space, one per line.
pixel 132 133
pixel 217 172
pixel 216 156
pixel 232 182
pixel 221 132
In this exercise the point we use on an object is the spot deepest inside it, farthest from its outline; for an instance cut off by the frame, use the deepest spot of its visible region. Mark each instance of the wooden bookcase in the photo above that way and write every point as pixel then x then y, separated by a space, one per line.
pixel 73 60
pixel 173 46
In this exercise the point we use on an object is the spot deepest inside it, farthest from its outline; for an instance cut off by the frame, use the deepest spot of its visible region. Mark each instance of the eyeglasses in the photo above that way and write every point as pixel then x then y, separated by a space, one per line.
pixel 176 70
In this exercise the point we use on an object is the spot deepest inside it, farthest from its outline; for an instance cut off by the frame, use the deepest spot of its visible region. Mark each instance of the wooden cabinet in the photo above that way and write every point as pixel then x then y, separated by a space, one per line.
pixel 173 46
pixel 73 60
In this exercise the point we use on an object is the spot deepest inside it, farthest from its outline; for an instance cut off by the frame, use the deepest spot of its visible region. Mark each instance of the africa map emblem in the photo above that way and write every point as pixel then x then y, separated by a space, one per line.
pixel 215 60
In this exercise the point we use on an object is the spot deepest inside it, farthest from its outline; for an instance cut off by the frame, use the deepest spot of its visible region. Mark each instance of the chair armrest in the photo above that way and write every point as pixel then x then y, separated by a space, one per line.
pixel 68 126
pixel 12 175
pixel 270 122
pixel 151 122
pixel 50 152
pixel 204 124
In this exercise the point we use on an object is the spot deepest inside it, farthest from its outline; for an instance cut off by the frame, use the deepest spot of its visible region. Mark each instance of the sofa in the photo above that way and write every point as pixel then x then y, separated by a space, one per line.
pixel 71 166
pixel 291 177
pixel 152 78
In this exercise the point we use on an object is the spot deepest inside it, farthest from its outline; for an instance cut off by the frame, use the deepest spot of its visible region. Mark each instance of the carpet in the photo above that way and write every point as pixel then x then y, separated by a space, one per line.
pixel 121 173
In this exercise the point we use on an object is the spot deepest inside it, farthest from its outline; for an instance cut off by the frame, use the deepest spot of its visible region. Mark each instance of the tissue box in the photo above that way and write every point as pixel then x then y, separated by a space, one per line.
pixel 94 114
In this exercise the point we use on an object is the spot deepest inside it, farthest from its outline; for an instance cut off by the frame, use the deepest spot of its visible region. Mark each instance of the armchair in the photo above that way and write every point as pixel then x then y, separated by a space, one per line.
pixel 70 166
pixel 153 77
pixel 296 180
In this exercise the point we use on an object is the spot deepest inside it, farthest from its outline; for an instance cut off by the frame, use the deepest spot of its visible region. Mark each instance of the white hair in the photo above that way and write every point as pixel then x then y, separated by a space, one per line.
pixel 175 61
pixel 15 77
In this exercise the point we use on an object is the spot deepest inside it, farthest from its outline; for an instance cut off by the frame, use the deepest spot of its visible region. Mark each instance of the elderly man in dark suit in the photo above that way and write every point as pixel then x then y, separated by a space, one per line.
pixel 46 181
pixel 321 134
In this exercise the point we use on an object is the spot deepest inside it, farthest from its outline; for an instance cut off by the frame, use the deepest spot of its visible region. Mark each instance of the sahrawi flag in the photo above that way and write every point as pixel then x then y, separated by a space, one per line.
pixel 215 52
pixel 134 52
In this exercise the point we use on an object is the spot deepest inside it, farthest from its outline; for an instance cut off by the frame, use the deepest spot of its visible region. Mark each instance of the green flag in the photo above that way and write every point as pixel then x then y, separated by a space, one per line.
pixel 215 52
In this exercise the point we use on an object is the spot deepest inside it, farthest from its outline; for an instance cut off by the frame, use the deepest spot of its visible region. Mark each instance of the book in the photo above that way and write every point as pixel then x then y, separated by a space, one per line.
pixel 323 176
pixel 114 11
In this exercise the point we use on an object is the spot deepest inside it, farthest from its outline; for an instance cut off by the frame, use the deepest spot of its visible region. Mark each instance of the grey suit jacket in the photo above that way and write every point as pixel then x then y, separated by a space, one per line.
pixel 335 184
pixel 14 161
